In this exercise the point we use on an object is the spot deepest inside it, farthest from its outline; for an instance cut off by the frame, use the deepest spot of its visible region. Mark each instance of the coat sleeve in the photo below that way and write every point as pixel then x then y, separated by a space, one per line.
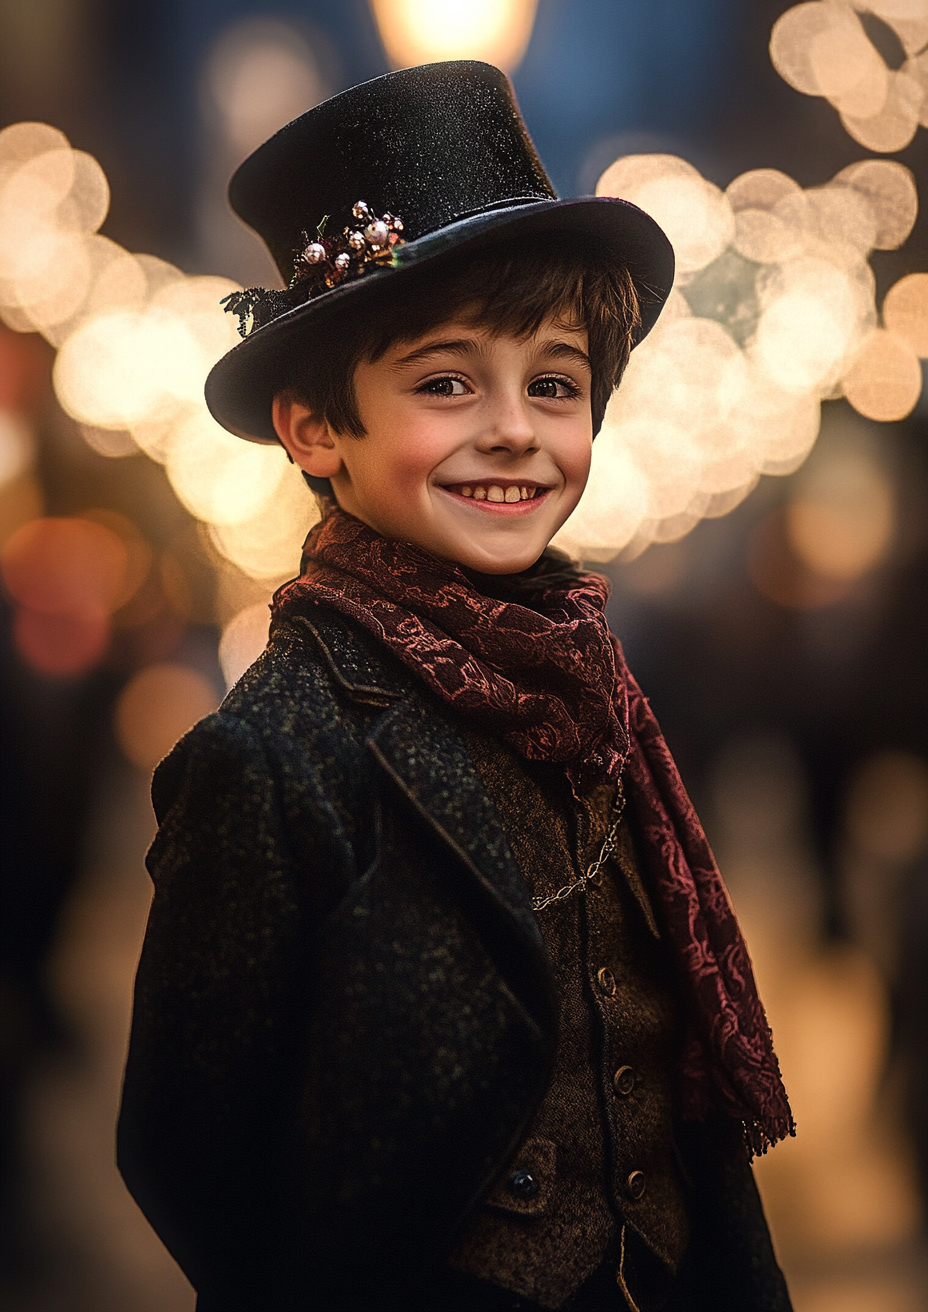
pixel 209 1100
pixel 731 1266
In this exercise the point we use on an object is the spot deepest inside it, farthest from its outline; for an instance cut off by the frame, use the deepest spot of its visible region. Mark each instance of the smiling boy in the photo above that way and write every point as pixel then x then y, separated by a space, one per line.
pixel 442 1004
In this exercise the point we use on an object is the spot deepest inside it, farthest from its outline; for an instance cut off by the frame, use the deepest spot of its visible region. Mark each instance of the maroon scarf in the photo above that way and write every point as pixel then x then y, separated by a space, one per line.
pixel 544 673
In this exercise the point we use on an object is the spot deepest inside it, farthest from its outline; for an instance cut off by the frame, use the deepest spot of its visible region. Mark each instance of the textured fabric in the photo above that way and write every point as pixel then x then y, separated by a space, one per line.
pixel 546 1247
pixel 545 674
pixel 344 1016
pixel 543 680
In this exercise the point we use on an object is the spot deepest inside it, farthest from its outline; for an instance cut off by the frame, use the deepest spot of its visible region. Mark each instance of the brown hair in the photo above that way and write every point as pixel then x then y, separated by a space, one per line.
pixel 506 289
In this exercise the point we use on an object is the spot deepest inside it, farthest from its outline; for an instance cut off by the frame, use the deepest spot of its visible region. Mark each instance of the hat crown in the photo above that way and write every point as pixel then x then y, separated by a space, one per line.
pixel 431 144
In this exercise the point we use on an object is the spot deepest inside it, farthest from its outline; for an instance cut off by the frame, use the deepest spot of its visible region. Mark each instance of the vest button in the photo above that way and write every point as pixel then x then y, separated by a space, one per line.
pixel 636 1185
pixel 522 1184
pixel 624 1080
pixel 606 981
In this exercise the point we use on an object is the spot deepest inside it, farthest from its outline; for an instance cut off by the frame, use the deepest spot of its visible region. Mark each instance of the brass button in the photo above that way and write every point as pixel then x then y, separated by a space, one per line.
pixel 636 1185
pixel 606 981
pixel 624 1080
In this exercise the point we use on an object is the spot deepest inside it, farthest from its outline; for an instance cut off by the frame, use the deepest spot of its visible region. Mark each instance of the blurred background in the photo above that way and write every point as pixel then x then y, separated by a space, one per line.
pixel 759 499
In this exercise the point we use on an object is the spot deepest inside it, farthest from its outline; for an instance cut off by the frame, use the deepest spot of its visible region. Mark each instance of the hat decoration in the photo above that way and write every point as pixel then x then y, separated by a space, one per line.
pixel 319 264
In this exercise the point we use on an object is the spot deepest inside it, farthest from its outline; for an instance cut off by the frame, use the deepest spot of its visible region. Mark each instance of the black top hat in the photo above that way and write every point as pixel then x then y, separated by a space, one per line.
pixel 418 164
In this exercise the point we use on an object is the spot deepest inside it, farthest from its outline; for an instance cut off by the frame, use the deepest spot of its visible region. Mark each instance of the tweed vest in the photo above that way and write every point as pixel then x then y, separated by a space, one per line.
pixel 599 1154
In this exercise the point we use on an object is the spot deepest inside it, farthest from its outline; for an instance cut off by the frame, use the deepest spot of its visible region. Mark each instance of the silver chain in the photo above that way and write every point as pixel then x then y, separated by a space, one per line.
pixel 593 870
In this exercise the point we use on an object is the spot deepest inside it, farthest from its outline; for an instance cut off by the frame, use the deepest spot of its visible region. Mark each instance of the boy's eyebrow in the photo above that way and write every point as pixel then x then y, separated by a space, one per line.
pixel 462 346
pixel 468 346
pixel 566 351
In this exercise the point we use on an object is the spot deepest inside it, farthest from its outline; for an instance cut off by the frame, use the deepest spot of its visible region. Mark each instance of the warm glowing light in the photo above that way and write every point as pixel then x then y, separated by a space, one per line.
pixel 905 311
pixel 807 325
pixel 16 446
pixel 760 189
pixel 885 380
pixel 822 49
pixel 157 707
pixel 695 214
pixel 243 640
pixel 842 522
pixel 267 546
pixel 65 566
pixel 66 576
pixel 422 31
pixel 218 477
pixel 890 189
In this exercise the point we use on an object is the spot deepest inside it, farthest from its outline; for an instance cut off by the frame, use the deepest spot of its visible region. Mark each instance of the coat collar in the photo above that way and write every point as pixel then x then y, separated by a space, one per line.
pixel 416 744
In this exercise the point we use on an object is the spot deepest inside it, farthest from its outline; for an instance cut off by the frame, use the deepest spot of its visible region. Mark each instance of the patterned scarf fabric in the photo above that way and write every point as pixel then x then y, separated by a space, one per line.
pixel 537 666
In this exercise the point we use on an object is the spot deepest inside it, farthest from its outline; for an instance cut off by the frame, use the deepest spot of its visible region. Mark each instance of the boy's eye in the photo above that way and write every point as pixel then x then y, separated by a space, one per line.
pixel 553 388
pixel 444 386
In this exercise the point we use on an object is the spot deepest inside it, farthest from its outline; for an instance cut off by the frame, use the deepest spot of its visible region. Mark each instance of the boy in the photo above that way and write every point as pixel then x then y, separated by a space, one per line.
pixel 425 1017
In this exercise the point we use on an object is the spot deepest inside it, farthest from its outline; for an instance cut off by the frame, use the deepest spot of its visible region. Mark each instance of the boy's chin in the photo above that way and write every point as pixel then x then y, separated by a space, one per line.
pixel 504 561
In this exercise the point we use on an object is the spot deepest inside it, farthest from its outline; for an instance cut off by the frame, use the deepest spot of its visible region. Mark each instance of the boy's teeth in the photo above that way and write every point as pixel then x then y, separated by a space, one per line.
pixel 493 492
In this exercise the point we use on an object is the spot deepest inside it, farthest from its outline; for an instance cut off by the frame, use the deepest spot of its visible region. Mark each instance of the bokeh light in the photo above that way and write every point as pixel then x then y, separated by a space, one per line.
pixel 838 525
pixel 16 446
pixel 422 31
pixel 884 381
pixel 243 640
pixel 773 312
pixel 822 49
pixel 841 520
pixel 156 707
pixel 905 311
pixel 66 576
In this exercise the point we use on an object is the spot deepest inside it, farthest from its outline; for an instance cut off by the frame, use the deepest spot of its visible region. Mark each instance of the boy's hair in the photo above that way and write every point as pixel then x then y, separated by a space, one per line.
pixel 507 289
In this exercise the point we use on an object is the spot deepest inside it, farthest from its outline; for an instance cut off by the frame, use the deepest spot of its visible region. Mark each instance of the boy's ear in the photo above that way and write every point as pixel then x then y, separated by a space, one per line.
pixel 305 436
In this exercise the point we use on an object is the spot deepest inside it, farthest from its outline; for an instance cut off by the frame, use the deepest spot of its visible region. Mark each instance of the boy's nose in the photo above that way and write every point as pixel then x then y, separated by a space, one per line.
pixel 509 428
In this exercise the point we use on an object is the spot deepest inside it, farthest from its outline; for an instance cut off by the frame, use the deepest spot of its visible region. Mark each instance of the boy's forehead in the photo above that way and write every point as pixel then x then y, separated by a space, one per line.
pixel 464 335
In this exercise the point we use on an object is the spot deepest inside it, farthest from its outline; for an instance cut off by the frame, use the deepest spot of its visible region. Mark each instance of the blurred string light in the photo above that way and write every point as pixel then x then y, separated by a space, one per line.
pixel 773 311
pixel 423 31
pixel 136 339
pixel 823 49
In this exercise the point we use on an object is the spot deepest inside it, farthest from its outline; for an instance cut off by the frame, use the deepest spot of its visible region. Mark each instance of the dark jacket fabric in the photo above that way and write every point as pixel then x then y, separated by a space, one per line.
pixel 345 1018
pixel 607 1117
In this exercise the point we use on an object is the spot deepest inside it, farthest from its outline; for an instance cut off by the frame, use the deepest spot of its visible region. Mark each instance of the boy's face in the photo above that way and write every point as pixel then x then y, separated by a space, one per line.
pixel 477 447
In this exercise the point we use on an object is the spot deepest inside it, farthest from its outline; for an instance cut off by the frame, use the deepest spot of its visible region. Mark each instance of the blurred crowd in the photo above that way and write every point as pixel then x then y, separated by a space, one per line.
pixel 764 522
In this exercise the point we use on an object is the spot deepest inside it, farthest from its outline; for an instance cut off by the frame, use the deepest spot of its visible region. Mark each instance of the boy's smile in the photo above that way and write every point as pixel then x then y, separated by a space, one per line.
pixel 477 446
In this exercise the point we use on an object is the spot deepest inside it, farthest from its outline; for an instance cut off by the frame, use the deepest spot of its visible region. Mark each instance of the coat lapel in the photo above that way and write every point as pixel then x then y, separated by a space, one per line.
pixel 416 744
pixel 419 749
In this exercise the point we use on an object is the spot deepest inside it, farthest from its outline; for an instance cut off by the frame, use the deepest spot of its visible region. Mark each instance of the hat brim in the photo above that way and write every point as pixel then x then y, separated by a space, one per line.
pixel 241 386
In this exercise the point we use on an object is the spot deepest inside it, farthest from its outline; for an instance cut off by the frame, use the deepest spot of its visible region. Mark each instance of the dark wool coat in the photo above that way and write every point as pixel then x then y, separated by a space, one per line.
pixel 345 1017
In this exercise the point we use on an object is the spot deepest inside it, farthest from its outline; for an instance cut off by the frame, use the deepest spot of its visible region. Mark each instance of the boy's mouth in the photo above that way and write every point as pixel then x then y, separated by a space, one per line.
pixel 501 492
